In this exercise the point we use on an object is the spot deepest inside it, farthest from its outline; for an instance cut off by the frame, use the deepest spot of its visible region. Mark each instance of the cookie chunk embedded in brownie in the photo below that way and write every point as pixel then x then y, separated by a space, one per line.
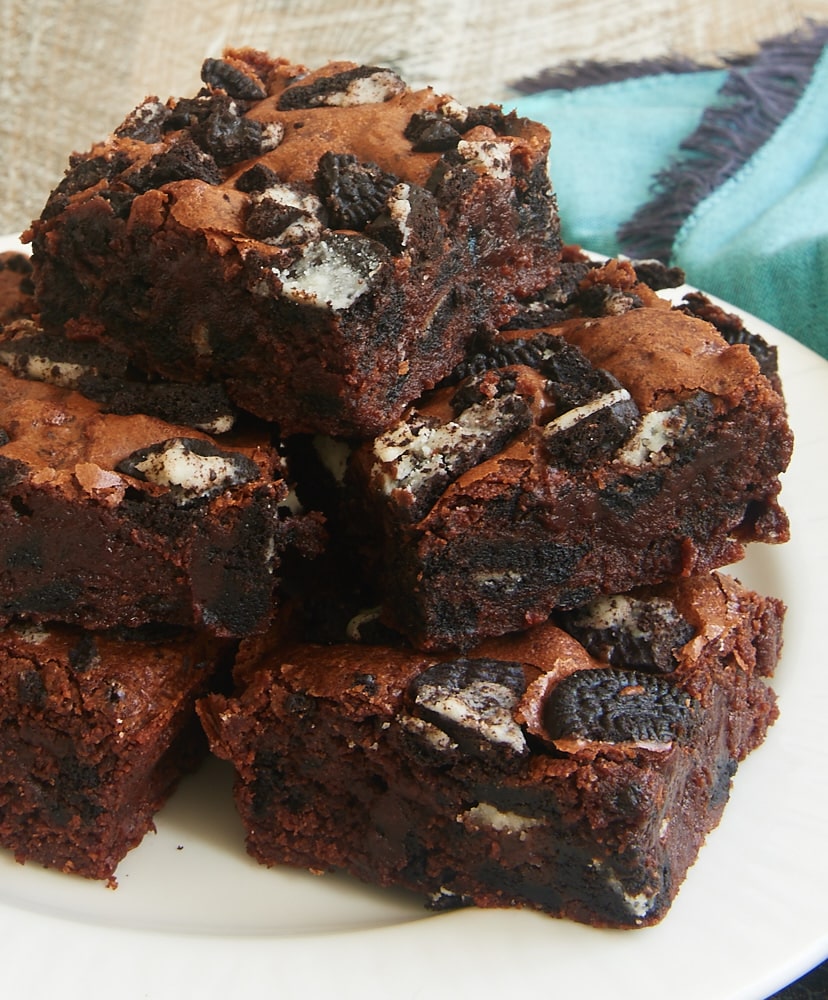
pixel 563 462
pixel 526 772
pixel 323 243
pixel 109 519
pixel 95 731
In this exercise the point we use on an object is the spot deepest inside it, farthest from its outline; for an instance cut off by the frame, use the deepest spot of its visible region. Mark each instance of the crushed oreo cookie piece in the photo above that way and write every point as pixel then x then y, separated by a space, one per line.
pixel 354 193
pixel 223 75
pixel 625 631
pixel 204 407
pixel 410 221
pixel 268 219
pixel 334 272
pixel 182 160
pixel 591 430
pixel 39 356
pixel 658 275
pixel 669 436
pixel 613 706
pixel 4 436
pixel 146 123
pixel 422 455
pixel 190 468
pixel 228 136
pixel 431 132
pixel 84 655
pixel 258 178
pixel 472 701
pixel 361 85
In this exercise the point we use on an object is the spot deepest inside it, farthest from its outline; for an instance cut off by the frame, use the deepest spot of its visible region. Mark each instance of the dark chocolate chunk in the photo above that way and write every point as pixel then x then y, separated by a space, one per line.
pixel 617 706
pixel 361 85
pixel 472 701
pixel 191 468
pixel 4 436
pixel 624 631
pixel 354 193
pixel 232 80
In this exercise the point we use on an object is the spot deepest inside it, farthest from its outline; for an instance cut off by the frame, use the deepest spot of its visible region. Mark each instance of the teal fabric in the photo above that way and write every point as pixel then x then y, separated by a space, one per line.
pixel 609 141
pixel 760 240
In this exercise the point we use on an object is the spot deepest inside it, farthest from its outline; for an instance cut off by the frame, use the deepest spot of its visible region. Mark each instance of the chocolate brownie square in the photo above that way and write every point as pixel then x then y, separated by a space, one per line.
pixel 560 462
pixel 95 731
pixel 122 518
pixel 323 243
pixel 574 768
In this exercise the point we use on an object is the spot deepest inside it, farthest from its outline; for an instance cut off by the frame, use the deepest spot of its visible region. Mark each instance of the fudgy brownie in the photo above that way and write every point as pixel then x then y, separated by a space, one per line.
pixel 562 462
pixel 109 519
pixel 577 776
pixel 95 731
pixel 16 286
pixel 324 243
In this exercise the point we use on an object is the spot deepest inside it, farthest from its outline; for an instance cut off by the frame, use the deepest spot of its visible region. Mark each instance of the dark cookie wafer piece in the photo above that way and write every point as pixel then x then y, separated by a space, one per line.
pixel 524 773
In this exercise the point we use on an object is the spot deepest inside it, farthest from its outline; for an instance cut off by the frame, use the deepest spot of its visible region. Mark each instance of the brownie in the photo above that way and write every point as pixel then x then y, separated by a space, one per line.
pixel 324 243
pixel 95 731
pixel 561 462
pixel 575 776
pixel 16 286
pixel 109 519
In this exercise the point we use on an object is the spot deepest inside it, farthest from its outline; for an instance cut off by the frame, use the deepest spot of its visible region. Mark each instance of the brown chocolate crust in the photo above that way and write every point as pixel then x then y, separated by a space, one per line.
pixel 340 766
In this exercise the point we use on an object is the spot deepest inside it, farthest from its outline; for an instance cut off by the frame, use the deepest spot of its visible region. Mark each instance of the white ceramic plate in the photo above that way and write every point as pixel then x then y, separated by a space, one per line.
pixel 194 916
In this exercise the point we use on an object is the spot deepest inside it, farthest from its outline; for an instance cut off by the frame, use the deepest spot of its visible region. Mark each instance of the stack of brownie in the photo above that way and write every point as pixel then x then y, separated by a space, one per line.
pixel 316 441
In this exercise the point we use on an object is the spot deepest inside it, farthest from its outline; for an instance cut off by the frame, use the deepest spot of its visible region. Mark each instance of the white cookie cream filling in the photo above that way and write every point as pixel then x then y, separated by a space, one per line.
pixel 484 814
pixel 178 466
pixel 658 430
pixel 483 706
pixel 619 611
pixel 411 453
pixel 41 369
pixel 574 416
pixel 326 277
pixel 487 156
